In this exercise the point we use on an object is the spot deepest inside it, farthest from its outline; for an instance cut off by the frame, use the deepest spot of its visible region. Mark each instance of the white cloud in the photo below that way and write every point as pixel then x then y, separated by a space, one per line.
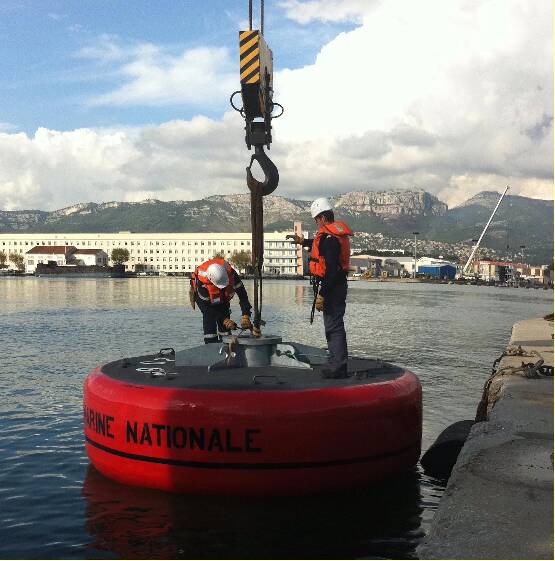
pixel 448 96
pixel 451 97
pixel 150 75
pixel 7 127
pixel 105 51
pixel 57 17
pixel 75 28
pixel 326 10
pixel 176 160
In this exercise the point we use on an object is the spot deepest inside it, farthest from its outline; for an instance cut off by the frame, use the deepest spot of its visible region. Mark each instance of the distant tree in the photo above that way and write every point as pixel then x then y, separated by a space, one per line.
pixel 3 259
pixel 119 255
pixel 241 260
pixel 219 255
pixel 18 260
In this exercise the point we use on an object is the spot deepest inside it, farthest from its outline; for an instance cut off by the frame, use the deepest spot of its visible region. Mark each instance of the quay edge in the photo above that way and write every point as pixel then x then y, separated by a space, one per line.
pixel 498 503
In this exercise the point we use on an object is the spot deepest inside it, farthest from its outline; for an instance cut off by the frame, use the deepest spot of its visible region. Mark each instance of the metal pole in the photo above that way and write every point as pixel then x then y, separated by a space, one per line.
pixel 484 230
pixel 522 248
pixel 414 268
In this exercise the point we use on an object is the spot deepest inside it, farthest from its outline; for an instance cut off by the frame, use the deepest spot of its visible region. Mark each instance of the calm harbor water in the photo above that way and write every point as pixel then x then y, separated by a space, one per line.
pixel 54 505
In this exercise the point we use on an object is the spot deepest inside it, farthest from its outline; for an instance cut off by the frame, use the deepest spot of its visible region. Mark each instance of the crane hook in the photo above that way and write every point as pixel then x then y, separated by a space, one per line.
pixel 271 174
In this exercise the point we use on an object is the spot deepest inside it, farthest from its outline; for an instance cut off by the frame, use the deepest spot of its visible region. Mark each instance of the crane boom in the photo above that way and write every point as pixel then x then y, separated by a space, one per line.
pixel 484 230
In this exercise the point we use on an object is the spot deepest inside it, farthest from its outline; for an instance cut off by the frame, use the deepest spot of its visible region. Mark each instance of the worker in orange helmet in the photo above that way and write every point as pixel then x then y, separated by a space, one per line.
pixel 329 264
pixel 213 285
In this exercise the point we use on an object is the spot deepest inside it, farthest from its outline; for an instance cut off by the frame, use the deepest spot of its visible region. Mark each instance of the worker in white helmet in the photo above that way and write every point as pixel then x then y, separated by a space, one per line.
pixel 329 265
pixel 213 285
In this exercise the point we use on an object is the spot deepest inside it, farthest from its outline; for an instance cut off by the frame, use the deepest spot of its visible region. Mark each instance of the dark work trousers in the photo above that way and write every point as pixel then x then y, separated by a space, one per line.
pixel 334 310
pixel 213 316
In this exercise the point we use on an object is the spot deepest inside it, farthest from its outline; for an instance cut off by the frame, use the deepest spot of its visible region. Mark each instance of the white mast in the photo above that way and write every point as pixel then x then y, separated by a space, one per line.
pixel 484 231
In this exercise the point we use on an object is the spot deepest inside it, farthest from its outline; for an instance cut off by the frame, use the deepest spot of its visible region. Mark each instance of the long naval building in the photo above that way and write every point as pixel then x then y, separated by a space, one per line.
pixel 166 252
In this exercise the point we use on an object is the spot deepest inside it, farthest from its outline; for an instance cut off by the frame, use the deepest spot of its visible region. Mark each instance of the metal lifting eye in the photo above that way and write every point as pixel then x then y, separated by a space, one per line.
pixel 271 174
pixel 274 104
pixel 242 110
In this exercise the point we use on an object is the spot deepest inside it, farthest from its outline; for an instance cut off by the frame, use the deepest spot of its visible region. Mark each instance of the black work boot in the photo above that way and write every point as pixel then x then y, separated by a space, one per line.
pixel 340 372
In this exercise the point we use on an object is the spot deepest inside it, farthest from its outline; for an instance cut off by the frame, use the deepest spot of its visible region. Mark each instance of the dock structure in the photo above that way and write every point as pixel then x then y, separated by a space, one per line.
pixel 498 503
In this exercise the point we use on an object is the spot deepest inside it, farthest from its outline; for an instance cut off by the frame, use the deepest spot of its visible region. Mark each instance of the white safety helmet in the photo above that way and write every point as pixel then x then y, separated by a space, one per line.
pixel 217 275
pixel 320 205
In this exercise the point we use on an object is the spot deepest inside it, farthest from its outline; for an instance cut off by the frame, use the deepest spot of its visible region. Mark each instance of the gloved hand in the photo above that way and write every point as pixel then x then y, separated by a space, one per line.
pixel 246 322
pixel 319 303
pixel 256 332
pixel 295 238
pixel 192 297
pixel 229 324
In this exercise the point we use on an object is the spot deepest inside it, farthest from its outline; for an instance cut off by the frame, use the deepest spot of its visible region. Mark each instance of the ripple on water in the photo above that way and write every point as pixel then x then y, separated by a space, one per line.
pixel 55 331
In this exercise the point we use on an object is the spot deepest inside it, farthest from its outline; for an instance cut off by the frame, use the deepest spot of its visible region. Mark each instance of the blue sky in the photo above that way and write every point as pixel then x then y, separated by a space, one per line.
pixel 49 82
pixel 108 100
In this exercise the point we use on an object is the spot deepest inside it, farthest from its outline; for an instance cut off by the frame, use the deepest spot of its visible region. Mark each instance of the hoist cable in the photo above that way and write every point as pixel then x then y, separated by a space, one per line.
pixel 257 226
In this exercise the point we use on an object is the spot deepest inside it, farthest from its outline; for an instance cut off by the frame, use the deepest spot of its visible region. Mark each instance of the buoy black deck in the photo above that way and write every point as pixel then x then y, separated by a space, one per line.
pixel 135 370
pixel 200 421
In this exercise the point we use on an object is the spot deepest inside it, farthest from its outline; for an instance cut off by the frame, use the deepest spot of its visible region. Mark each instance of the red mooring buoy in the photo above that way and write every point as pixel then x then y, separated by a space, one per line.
pixel 250 431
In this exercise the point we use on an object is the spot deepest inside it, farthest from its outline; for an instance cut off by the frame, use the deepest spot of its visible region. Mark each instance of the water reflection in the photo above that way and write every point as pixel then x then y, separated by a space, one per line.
pixel 381 521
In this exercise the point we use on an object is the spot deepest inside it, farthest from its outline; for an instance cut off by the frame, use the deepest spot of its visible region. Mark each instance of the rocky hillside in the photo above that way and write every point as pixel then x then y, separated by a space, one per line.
pixel 519 220
pixel 216 213
pixel 391 204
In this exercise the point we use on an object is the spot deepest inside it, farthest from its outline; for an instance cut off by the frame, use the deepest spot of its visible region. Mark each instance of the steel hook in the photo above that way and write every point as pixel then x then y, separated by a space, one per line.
pixel 271 174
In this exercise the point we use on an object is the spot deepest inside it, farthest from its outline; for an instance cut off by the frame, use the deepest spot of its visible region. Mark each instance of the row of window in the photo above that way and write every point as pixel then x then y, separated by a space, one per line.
pixel 188 260
pixel 98 243
pixel 31 262
pixel 186 268
pixel 207 252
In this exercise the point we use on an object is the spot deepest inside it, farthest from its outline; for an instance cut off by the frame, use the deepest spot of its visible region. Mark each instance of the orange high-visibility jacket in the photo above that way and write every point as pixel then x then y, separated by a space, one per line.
pixel 339 230
pixel 217 295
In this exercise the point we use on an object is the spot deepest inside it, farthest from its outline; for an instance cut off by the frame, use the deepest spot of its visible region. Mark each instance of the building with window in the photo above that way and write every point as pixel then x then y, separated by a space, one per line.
pixel 507 271
pixel 90 257
pixel 168 252
pixel 60 254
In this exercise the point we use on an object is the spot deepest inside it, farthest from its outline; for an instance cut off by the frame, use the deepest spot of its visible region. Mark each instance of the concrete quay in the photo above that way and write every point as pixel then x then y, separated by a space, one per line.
pixel 498 503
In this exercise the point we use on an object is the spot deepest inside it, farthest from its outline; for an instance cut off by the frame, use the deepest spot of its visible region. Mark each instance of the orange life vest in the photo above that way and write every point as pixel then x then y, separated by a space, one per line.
pixel 339 230
pixel 216 295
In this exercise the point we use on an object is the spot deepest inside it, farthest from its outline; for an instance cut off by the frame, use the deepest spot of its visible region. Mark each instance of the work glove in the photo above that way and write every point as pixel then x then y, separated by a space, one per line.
pixel 246 322
pixel 229 324
pixel 319 303
pixel 295 238
pixel 256 332
pixel 192 297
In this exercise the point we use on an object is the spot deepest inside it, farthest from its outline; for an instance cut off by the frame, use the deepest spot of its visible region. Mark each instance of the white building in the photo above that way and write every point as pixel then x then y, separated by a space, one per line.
pixel 60 254
pixel 433 262
pixel 90 257
pixel 171 252
pixel 406 262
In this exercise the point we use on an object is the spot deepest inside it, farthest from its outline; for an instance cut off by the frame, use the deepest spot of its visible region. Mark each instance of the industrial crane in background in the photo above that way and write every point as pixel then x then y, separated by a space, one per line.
pixel 256 77
pixel 474 249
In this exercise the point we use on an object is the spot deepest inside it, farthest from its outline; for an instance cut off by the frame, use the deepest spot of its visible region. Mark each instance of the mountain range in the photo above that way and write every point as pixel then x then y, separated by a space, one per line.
pixel 395 213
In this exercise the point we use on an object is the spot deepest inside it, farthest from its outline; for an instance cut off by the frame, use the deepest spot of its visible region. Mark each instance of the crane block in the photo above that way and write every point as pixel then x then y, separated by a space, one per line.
pixel 256 71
